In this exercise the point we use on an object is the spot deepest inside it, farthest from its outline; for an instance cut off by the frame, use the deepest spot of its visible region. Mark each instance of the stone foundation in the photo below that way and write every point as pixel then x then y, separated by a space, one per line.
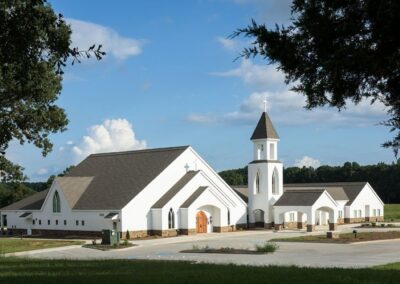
pixel 290 225
pixel 340 221
pixel 188 231
pixel 278 227
pixel 301 225
pixel 166 233
pixel 310 228
pixel 375 219
pixel 354 220
pixel 268 226
pixel 332 226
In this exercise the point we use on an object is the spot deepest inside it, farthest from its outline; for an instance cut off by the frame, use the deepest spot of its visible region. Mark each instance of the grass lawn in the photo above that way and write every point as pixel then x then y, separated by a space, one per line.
pixel 15 270
pixel 345 238
pixel 392 212
pixel 16 245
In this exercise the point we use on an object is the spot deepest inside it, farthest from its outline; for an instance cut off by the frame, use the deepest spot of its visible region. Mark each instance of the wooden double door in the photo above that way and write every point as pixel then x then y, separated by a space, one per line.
pixel 201 222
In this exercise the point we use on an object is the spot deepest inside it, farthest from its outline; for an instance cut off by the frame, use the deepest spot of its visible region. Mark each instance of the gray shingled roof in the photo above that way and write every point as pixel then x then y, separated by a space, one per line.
pixel 350 189
pixel 193 197
pixel 33 202
pixel 264 128
pixel 336 192
pixel 73 188
pixel 120 176
pixel 175 189
pixel 242 191
pixel 299 197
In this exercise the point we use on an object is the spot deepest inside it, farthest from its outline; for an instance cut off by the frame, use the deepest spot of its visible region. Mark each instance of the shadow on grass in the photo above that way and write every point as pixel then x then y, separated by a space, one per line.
pixel 15 270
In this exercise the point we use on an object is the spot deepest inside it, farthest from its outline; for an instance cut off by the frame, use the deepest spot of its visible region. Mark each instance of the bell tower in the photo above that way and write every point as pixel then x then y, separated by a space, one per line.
pixel 264 173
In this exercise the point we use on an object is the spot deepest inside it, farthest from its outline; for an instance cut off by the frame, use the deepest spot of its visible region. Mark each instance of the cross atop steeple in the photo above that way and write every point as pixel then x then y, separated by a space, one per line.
pixel 265 104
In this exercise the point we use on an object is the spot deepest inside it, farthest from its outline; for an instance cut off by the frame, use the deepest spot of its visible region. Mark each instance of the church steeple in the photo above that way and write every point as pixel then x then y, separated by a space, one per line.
pixel 264 129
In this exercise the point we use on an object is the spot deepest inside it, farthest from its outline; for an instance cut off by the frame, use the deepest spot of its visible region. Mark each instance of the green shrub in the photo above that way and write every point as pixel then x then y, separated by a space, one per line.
pixel 373 224
pixel 127 236
pixel 267 247
pixel 390 225
pixel 126 242
pixel 382 225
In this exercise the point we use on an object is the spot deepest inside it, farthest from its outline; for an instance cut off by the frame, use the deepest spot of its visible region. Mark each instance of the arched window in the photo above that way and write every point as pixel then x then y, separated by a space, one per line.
pixel 257 183
pixel 56 203
pixel 171 219
pixel 275 182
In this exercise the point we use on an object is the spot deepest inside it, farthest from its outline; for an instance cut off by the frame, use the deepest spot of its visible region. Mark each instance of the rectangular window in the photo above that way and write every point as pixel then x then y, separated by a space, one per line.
pixel 272 151
pixel 379 212
pixel 83 222
pixel 40 222
pixel 291 217
pixel 359 213
pixel 340 214
pixel 77 222
pixel 65 222
pixel 374 212
pixel 33 221
pixel 355 213
pixel 56 222
pixel 48 222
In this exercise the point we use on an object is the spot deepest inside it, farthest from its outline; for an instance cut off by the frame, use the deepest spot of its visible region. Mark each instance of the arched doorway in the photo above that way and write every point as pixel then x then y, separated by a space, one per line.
pixel 201 222
pixel 258 218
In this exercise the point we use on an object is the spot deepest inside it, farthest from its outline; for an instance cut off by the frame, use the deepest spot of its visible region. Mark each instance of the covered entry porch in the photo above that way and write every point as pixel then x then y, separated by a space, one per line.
pixel 305 209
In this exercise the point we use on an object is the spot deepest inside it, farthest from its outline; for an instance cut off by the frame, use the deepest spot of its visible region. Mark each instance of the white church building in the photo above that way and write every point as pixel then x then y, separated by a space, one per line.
pixel 171 191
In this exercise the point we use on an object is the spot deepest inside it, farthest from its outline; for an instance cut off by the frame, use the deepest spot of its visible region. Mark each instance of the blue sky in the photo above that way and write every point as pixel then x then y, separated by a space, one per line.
pixel 169 78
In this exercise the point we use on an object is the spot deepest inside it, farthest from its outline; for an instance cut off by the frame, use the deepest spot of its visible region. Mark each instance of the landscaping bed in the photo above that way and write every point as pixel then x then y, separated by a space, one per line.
pixel 8 245
pixel 109 247
pixel 267 247
pixel 344 238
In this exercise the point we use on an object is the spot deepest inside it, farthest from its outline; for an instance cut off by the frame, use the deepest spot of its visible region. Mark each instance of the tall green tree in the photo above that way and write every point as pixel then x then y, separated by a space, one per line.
pixel 337 51
pixel 35 46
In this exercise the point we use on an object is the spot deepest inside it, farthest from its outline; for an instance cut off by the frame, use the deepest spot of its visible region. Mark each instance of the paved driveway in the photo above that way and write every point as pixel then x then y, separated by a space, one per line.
pixel 300 254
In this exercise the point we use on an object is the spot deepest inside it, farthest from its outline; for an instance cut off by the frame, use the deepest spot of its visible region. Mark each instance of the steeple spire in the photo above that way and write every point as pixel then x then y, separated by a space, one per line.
pixel 265 128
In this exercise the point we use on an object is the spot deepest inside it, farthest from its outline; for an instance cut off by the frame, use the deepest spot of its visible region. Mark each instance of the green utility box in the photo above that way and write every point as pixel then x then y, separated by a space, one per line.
pixel 110 237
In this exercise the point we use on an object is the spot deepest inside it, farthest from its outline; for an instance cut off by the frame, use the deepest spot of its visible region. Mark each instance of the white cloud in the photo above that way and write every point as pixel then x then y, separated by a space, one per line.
pixel 85 34
pixel 112 135
pixel 307 162
pixel 258 76
pixel 285 106
pixel 42 172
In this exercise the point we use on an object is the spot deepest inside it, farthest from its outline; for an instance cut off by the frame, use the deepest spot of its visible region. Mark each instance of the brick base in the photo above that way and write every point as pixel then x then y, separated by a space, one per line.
pixel 354 220
pixel 278 227
pixel 66 233
pixel 340 221
pixel 310 228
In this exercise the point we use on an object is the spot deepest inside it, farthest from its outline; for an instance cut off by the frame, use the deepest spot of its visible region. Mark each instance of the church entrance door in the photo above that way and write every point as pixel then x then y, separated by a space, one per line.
pixel 201 222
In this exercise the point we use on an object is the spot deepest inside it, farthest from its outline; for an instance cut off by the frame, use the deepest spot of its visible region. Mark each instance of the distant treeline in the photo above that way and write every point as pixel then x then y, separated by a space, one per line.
pixel 384 178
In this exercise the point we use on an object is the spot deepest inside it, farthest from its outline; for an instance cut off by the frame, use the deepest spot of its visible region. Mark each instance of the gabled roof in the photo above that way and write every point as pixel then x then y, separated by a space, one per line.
pixel 33 202
pixel 335 189
pixel 73 188
pixel 264 128
pixel 336 192
pixel 242 191
pixel 175 189
pixel 299 197
pixel 118 177
pixel 193 197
